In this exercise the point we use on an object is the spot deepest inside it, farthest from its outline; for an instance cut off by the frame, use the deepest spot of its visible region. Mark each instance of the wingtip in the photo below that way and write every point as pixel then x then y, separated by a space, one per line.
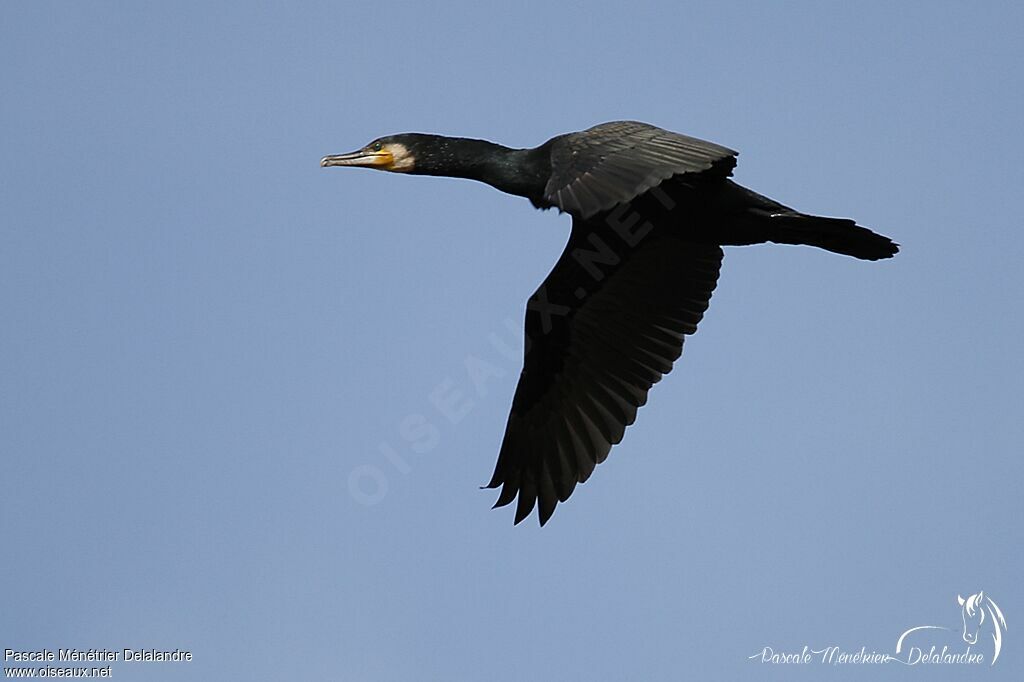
pixel 525 505
pixel 500 502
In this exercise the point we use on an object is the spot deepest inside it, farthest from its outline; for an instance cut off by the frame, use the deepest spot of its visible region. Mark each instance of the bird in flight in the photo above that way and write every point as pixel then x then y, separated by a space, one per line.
pixel 650 211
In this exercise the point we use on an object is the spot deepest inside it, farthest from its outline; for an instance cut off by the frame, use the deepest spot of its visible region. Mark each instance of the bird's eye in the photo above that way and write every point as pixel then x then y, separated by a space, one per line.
pixel 377 146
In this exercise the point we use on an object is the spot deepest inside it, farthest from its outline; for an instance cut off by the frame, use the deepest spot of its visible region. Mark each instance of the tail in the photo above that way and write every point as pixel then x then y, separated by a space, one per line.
pixel 839 235
pixel 762 219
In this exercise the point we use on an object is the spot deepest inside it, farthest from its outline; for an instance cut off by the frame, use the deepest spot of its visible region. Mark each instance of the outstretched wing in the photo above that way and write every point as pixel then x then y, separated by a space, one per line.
pixel 613 163
pixel 606 325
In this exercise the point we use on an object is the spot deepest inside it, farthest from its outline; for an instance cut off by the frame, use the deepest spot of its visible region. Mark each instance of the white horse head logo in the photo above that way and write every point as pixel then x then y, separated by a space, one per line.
pixel 976 610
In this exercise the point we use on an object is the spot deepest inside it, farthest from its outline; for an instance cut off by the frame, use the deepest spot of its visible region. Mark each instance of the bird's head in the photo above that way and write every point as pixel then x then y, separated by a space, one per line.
pixel 395 153
pixel 423 154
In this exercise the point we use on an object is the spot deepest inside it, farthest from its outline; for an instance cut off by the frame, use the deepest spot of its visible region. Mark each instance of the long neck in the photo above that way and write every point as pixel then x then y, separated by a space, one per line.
pixel 522 172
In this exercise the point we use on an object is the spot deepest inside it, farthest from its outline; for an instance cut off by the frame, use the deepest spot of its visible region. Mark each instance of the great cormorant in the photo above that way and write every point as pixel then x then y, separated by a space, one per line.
pixel 650 211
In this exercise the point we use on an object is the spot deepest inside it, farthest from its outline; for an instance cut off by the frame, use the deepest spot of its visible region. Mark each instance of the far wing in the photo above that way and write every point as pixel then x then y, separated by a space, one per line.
pixel 613 163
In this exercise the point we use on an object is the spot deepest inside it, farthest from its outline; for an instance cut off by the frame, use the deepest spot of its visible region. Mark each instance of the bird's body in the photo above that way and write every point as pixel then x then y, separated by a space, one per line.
pixel 650 210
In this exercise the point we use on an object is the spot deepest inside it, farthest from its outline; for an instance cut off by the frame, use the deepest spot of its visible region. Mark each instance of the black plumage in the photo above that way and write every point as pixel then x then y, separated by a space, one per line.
pixel 650 211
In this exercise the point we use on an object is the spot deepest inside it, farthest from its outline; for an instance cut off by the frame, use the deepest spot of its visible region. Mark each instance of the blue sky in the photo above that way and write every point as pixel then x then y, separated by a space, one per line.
pixel 206 339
